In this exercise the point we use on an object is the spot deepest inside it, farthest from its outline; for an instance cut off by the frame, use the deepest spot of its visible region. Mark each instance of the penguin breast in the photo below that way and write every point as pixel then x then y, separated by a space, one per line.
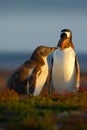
pixel 63 72
pixel 41 78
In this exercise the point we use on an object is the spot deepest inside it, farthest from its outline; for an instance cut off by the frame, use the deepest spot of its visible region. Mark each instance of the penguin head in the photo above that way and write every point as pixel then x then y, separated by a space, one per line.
pixel 65 40
pixel 45 51
pixel 42 51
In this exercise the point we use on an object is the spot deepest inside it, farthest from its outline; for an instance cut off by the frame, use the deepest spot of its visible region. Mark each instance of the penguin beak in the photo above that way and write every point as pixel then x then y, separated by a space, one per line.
pixel 54 48
pixel 62 43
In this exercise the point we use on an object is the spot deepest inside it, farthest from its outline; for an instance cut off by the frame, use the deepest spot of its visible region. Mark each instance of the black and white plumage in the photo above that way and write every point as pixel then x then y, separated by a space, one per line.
pixel 32 75
pixel 65 70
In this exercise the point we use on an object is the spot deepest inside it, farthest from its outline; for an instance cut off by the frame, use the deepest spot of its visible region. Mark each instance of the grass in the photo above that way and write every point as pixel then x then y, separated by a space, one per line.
pixel 43 112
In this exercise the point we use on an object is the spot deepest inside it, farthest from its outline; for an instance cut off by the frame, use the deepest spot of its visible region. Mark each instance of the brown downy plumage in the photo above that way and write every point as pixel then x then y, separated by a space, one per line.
pixel 27 79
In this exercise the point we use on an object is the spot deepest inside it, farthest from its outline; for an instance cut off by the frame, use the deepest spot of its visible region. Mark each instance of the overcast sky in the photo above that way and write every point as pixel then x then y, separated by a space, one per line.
pixel 25 24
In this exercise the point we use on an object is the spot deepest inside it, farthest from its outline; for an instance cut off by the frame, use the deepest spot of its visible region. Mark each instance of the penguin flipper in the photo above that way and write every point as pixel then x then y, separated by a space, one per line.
pixel 32 80
pixel 77 73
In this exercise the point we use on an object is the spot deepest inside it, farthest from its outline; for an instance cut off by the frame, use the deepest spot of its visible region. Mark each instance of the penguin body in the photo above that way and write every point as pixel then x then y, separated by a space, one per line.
pixel 32 75
pixel 41 78
pixel 63 73
pixel 65 66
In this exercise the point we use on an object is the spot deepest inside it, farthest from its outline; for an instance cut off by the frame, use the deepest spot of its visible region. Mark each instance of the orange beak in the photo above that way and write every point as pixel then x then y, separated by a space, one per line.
pixel 64 44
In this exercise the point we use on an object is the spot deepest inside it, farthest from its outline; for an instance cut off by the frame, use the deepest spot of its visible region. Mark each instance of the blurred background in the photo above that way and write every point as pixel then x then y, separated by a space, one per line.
pixel 25 24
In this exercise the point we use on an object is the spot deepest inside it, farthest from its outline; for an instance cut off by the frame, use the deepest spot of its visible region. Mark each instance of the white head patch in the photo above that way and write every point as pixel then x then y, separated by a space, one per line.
pixel 68 34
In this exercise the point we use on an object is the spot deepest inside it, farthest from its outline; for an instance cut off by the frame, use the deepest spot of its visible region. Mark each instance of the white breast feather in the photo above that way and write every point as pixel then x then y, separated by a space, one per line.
pixel 63 72
pixel 41 79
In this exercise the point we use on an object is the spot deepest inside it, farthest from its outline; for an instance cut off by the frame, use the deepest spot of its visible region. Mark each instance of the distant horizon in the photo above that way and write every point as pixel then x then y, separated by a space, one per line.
pixel 31 50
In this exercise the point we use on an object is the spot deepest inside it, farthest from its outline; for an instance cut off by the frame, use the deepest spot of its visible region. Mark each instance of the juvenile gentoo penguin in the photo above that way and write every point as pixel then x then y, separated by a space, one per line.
pixel 31 76
pixel 65 67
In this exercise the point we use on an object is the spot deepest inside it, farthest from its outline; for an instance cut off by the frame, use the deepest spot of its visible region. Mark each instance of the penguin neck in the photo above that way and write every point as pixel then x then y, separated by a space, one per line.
pixel 70 44
pixel 65 51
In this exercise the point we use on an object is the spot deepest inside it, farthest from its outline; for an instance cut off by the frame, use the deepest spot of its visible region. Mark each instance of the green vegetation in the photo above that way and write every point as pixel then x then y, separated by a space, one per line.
pixel 66 112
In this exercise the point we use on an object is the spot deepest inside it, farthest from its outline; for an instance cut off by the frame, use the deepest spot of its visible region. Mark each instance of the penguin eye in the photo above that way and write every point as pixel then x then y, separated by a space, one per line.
pixel 63 36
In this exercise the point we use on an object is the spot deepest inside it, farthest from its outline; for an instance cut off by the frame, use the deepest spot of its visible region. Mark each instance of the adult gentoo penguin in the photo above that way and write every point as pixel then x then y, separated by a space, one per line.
pixel 65 66
pixel 31 76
